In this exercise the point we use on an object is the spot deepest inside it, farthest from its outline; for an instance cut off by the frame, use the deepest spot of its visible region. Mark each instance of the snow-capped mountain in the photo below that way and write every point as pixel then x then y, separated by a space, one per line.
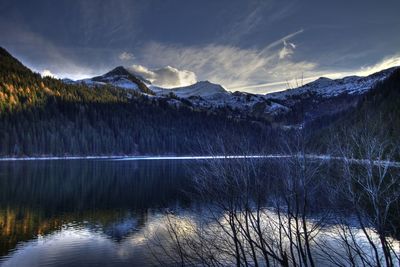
pixel 201 89
pixel 325 87
pixel 119 77
pixel 320 98
pixel 211 96
pixel 325 97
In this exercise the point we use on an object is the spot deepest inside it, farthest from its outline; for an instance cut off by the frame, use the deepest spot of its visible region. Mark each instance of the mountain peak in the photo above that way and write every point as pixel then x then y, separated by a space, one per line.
pixel 201 88
pixel 205 82
pixel 323 79
pixel 121 77
pixel 120 70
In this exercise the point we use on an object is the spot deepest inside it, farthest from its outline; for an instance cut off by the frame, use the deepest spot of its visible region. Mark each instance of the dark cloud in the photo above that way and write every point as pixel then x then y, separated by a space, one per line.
pixel 85 38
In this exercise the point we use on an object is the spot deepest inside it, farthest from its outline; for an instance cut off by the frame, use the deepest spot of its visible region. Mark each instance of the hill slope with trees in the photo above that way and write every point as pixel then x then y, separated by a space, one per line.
pixel 44 116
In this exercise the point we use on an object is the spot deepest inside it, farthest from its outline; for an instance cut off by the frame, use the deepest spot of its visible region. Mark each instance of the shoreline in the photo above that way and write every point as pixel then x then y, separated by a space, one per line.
pixel 395 164
pixel 144 157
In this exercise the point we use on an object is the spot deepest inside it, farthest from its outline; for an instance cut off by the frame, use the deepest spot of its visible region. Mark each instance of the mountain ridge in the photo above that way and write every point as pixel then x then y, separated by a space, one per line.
pixel 119 77
pixel 207 94
pixel 43 116
pixel 287 109
pixel 322 98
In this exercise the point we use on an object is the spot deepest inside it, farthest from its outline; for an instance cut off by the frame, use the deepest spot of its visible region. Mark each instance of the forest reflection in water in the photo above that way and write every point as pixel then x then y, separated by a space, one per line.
pixel 120 213
pixel 40 199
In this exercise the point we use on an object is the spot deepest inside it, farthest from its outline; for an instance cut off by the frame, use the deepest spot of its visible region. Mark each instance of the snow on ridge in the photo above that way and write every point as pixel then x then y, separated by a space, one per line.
pixel 208 95
pixel 205 94
pixel 124 83
pixel 90 82
pixel 117 81
pixel 201 89
pixel 325 87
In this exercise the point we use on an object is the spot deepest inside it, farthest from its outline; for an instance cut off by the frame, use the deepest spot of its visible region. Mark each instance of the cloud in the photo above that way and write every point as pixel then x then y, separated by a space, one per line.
pixel 167 77
pixel 256 14
pixel 125 56
pixel 266 69
pixel 48 73
pixel 283 39
pixel 385 63
pixel 49 56
pixel 231 66
pixel 287 50
pixel 143 71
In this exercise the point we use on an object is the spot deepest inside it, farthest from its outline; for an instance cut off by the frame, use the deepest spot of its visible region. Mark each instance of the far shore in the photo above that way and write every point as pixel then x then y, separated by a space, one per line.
pixel 395 164
pixel 137 157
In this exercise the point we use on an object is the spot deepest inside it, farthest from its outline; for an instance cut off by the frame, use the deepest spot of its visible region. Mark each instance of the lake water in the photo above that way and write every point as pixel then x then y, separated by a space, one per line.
pixel 85 212
pixel 101 212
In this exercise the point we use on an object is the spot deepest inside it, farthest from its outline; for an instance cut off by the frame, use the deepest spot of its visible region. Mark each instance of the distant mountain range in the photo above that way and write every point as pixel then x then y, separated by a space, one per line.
pixel 290 108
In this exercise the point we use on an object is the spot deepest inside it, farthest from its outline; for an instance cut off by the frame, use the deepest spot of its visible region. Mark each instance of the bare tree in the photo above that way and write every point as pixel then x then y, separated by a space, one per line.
pixel 258 211
pixel 372 186
pixel 255 210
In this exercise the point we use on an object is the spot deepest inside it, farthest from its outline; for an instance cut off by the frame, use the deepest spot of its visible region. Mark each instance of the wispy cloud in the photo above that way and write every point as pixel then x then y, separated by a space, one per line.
pixel 287 50
pixel 258 14
pixel 280 41
pixel 126 56
pixel 271 68
pixel 387 62
pixel 315 73
pixel 245 24
pixel 52 57
pixel 231 66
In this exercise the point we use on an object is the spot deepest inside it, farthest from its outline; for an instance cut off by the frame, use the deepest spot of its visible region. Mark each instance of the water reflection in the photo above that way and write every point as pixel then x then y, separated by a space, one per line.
pixel 71 212
pixel 124 213
pixel 85 245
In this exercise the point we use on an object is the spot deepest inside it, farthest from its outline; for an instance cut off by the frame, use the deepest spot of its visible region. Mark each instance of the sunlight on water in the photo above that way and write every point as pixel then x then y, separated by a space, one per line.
pixel 76 245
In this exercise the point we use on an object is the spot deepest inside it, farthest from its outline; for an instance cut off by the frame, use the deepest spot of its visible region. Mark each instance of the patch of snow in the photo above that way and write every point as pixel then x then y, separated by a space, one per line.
pixel 114 81
pixel 276 108
pixel 325 87
pixel 202 89
pixel 125 83
pixel 90 82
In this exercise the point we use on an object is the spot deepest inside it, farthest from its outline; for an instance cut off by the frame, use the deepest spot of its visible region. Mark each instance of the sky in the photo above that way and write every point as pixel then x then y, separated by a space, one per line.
pixel 255 46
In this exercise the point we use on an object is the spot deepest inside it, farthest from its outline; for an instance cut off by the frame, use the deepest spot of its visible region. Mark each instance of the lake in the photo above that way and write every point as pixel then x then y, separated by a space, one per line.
pixel 111 212
pixel 85 212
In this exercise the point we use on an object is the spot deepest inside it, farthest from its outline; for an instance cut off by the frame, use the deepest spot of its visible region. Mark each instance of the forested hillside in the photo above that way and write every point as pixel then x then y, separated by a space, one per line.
pixel 377 114
pixel 381 107
pixel 44 116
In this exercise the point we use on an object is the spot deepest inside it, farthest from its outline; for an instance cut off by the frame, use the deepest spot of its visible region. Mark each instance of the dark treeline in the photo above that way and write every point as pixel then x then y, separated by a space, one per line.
pixel 44 116
pixel 377 112
pixel 381 106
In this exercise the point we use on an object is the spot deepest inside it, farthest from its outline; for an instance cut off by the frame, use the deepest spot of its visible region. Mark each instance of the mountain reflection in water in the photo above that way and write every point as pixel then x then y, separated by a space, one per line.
pixel 61 213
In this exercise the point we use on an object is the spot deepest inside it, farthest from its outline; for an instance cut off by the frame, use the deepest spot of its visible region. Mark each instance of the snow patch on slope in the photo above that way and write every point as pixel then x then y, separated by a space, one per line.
pixel 326 88
pixel 202 89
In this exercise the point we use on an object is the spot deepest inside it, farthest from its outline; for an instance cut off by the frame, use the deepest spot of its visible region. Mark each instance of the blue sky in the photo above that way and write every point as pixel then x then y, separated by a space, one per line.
pixel 256 46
